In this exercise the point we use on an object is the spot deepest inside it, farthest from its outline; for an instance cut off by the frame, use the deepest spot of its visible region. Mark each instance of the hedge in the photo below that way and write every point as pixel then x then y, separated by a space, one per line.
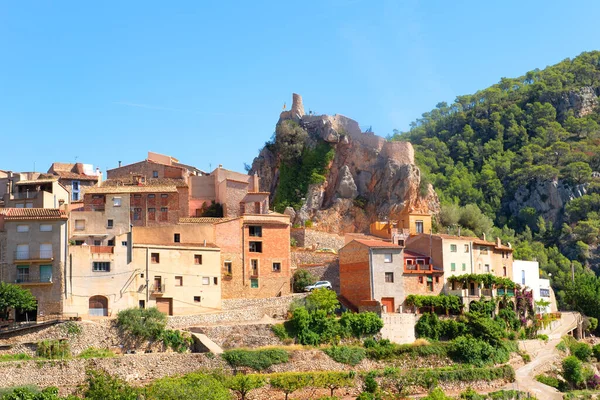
pixel 255 359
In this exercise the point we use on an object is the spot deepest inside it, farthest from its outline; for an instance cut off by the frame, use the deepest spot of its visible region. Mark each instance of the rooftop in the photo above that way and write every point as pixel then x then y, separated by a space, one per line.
pixel 37 181
pixel 132 189
pixel 377 244
pixel 32 213
pixel 194 245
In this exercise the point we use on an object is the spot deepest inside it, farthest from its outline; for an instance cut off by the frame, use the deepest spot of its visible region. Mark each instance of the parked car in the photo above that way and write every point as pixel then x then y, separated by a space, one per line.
pixel 318 285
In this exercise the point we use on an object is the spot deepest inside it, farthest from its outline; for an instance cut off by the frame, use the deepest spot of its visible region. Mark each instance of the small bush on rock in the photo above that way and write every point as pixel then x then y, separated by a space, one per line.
pixel 350 355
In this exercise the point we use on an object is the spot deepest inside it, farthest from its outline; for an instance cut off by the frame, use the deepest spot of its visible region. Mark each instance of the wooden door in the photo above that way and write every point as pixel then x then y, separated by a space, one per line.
pixel 388 303
pixel 165 306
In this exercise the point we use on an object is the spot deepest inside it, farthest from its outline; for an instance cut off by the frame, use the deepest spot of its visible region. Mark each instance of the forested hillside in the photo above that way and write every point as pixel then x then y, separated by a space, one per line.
pixel 522 154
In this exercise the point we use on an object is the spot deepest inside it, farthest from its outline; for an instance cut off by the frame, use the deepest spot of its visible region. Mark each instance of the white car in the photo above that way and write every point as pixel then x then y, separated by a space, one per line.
pixel 318 285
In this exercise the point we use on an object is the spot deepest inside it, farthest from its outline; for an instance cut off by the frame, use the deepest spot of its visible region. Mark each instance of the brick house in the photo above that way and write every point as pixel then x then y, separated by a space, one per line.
pixel 76 177
pixel 156 166
pixel 375 274
pixel 33 248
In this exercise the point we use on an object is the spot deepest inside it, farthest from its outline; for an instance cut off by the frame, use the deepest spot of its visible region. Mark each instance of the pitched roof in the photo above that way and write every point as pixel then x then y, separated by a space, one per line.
pixel 37 181
pixel 32 213
pixel 74 175
pixel 203 220
pixel 131 189
pixel 377 243
pixel 473 239
pixel 408 253
pixel 130 180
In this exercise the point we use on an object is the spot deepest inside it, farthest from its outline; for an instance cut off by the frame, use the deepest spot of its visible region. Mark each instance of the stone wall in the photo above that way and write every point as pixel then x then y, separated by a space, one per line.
pixel 399 328
pixel 317 239
pixel 233 336
pixel 307 258
pixel 327 272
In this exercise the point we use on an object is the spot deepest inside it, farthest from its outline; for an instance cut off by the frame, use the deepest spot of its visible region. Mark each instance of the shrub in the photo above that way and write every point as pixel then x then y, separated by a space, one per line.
pixel 255 359
pixel 93 352
pixel 15 357
pixel 308 223
pixel 370 385
pixel 595 351
pixel 279 331
pixel 437 394
pixel 102 386
pixel 71 328
pixel 350 355
pixel 583 351
pixel 361 324
pixel 175 339
pixel 53 349
pixel 322 299
pixel 194 386
pixel 143 323
pixel 428 326
pixel 542 337
pixel 30 393
pixel 572 371
pixel 302 278
pixel 477 352
pixel 561 346
pixel 552 381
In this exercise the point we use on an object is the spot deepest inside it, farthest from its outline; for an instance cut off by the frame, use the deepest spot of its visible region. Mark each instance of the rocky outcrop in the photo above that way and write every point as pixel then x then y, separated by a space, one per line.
pixel 582 102
pixel 370 178
pixel 548 198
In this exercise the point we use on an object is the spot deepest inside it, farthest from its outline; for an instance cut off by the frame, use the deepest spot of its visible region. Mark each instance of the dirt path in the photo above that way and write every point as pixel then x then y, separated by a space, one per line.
pixel 525 376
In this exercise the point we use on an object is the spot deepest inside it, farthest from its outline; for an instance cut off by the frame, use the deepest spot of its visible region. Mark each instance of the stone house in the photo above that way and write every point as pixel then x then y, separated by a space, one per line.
pixel 410 223
pixel 76 177
pixel 169 267
pixel 375 274
pixel 33 254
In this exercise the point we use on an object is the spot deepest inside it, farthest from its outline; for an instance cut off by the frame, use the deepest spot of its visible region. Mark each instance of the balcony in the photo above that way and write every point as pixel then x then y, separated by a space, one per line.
pixel 507 292
pixel 419 269
pixel 31 256
pixel 24 195
pixel 159 288
pixel 30 281
pixel 472 292
pixel 102 249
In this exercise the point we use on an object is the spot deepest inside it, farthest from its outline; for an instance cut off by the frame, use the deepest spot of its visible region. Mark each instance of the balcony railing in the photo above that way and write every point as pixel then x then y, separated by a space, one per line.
pixel 102 249
pixel 507 292
pixel 25 195
pixel 26 255
pixel 25 280
pixel 418 268
pixel 158 288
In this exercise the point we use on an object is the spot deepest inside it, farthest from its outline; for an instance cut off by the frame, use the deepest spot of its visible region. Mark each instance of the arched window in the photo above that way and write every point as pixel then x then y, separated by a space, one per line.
pixel 98 306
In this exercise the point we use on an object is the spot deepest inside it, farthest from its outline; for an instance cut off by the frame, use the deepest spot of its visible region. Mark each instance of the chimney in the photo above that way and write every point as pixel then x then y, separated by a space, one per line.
pixel 204 242
pixel 459 232
pixel 220 165
pixel 119 164
pixel 255 180
pixel 498 242
pixel 99 175
pixel 484 236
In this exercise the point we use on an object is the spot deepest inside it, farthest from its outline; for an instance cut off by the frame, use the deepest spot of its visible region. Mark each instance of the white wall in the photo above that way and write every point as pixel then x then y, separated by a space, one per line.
pixel 532 279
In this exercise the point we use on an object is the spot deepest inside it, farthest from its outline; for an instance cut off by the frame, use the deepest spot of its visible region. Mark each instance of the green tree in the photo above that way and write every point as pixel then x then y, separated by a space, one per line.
pixel 290 382
pixel 102 386
pixel 303 278
pixel 334 380
pixel 194 386
pixel 578 172
pixel 322 299
pixel 14 297
pixel 572 371
pixel 143 323
pixel 244 384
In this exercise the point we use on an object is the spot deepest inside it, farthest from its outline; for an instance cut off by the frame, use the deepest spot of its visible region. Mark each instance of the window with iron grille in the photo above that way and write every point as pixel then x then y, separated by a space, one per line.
pixel 101 266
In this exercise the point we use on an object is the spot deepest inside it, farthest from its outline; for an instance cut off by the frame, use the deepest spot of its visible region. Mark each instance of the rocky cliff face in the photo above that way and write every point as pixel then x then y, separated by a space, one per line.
pixel 369 178
pixel 582 102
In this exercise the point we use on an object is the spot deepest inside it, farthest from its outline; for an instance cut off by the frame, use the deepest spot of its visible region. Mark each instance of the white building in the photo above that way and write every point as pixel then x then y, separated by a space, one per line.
pixel 527 274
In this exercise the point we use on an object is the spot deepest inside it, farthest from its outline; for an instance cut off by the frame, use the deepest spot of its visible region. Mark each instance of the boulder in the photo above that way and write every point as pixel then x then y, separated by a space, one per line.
pixel 346 188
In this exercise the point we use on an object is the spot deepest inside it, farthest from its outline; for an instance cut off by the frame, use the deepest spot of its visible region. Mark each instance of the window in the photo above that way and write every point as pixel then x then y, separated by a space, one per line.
pixel 198 259
pixel 387 257
pixel 46 273
pixel 19 205
pixel 137 214
pixel 504 270
pixel 23 228
pixel 80 224
pixel 255 231
pixel 215 280
pixel 45 228
pixel 430 283
pixel 179 281
pixel 151 196
pixel 79 242
pixel 177 238
pixel 109 223
pixel 75 185
pixel 522 277
pixel 389 277
pixel 228 267
pixel 46 250
pixel 255 247
pixel 254 267
pixel 545 292
pixel 452 267
pixel 464 266
pixel 75 196
pixel 401 242
pixel 276 267
pixel 97 242
pixel 142 303
pixel 254 283
pixel 487 268
pixel 155 174
pixel 453 248
pixel 466 248
pixel 196 299
pixel 419 226
pixel 164 209
pixel 101 266
pixel 111 242
pixel 137 196
pixel 420 261
pixel 437 279
pixel 205 280
pixel 164 196
pixel 483 249
pixel 29 204
pixel 124 244
pixel 155 258
pixel 22 252
pixel 22 273
pixel 420 279
pixel 151 210
pixel 116 202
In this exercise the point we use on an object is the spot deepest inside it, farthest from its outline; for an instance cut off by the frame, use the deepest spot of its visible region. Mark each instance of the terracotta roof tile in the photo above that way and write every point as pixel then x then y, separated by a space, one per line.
pixel 32 213
pixel 377 243
pixel 203 220
pixel 131 189
pixel 73 175
pixel 408 253
pixel 37 181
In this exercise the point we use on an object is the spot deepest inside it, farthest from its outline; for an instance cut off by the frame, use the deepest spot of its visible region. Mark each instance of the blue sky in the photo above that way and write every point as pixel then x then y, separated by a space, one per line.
pixel 100 82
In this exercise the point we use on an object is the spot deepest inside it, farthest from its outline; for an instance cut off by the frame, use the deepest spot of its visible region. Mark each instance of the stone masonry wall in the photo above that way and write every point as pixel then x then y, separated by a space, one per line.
pixel 317 239
pixel 305 257
pixel 328 272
